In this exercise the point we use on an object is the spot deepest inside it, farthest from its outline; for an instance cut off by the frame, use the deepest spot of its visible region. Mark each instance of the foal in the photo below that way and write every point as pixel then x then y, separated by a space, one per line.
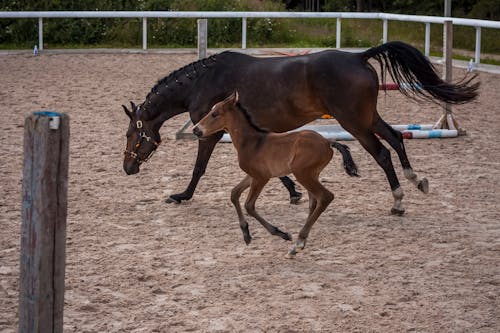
pixel 264 155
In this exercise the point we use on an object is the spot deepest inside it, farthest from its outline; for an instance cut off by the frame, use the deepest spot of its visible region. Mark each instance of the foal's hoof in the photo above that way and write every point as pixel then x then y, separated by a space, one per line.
pixel 397 211
pixel 284 235
pixel 247 238
pixel 299 246
pixel 295 198
pixel 423 185
pixel 291 254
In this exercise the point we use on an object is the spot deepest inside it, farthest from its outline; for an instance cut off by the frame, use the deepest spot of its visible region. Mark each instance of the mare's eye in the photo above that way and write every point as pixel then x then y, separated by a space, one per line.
pixel 214 114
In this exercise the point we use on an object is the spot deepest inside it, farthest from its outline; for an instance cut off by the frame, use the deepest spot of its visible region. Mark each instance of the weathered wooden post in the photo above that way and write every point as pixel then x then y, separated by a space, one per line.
pixel 43 228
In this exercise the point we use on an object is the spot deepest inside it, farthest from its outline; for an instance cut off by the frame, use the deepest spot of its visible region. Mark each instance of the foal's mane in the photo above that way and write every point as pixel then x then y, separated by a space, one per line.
pixel 250 120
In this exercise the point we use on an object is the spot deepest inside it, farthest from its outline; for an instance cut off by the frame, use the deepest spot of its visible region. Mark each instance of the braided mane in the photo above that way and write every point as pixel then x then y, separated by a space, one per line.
pixel 189 70
pixel 150 107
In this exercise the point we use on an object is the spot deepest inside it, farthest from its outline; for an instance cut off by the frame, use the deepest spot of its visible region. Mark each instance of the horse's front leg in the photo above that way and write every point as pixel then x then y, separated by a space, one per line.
pixel 205 149
pixel 235 199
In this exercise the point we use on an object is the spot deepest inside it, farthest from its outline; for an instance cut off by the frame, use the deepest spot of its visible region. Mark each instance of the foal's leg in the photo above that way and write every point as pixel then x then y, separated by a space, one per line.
pixel 312 202
pixel 235 199
pixel 321 198
pixel 255 189
pixel 395 139
pixel 383 157
pixel 205 150
pixel 290 186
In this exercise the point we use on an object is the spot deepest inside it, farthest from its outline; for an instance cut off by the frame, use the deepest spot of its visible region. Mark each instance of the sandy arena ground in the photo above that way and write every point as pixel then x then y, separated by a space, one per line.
pixel 137 264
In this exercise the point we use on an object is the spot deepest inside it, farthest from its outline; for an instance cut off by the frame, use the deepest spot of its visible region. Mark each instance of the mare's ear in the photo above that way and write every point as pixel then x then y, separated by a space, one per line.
pixel 134 107
pixel 127 112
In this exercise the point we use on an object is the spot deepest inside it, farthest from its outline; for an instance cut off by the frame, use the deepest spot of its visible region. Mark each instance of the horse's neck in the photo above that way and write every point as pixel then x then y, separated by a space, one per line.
pixel 164 103
pixel 170 96
pixel 243 135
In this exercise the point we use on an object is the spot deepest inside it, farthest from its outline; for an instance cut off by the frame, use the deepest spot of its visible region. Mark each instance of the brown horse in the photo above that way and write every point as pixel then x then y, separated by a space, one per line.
pixel 302 88
pixel 263 155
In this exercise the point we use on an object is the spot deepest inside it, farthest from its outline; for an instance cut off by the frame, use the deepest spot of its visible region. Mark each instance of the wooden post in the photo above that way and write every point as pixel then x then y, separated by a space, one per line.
pixel 43 228
pixel 202 38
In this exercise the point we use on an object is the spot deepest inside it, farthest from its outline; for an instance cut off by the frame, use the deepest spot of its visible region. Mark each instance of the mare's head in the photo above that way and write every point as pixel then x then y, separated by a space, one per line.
pixel 216 120
pixel 143 138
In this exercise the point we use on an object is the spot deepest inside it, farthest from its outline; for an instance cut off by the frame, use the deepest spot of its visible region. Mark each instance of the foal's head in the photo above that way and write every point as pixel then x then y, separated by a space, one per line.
pixel 217 119
pixel 143 138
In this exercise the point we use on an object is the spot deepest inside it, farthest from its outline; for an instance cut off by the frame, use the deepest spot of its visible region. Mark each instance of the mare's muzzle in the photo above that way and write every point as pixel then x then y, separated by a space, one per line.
pixel 131 167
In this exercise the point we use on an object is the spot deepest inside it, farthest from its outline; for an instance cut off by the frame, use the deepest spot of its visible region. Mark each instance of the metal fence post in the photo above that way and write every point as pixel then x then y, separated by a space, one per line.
pixel 144 33
pixel 202 38
pixel 427 39
pixel 43 227
pixel 40 33
pixel 338 29
pixel 478 45
pixel 243 32
pixel 384 32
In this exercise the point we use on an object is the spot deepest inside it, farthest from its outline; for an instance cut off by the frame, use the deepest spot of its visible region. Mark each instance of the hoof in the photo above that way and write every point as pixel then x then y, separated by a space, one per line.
pixel 295 198
pixel 397 211
pixel 284 235
pixel 247 238
pixel 291 253
pixel 423 185
pixel 171 199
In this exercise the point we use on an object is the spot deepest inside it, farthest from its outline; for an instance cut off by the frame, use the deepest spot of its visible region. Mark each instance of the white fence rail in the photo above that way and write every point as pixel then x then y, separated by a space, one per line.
pixel 384 17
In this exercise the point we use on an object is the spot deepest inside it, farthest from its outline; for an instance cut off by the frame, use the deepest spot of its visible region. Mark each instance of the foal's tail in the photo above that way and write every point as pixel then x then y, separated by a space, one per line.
pixel 409 68
pixel 350 167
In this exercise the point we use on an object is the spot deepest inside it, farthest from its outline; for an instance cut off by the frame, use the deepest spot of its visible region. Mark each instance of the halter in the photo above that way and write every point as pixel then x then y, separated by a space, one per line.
pixel 142 136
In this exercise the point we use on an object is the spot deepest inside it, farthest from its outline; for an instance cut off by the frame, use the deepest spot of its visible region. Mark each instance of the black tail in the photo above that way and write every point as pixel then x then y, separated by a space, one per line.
pixel 350 167
pixel 408 66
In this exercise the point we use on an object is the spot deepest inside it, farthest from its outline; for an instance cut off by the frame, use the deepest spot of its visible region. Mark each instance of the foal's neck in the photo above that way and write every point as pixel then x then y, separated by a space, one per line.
pixel 244 134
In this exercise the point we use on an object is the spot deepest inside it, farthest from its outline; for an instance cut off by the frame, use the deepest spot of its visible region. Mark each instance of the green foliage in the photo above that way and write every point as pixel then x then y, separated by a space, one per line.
pixel 23 33
pixel 221 32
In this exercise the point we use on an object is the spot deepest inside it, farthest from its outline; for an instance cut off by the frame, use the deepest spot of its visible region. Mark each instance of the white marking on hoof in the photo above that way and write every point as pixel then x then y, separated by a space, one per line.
pixel 410 175
pixel 397 208
pixel 291 253
pixel 299 245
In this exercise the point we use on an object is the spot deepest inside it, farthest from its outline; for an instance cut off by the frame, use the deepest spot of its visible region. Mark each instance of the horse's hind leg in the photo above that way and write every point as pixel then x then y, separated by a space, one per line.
pixel 395 140
pixel 290 186
pixel 383 157
pixel 255 189
pixel 235 199
pixel 320 198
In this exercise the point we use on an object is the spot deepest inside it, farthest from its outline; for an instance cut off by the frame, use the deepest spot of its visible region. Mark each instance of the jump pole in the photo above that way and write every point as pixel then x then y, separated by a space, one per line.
pixel 43 226
pixel 410 131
